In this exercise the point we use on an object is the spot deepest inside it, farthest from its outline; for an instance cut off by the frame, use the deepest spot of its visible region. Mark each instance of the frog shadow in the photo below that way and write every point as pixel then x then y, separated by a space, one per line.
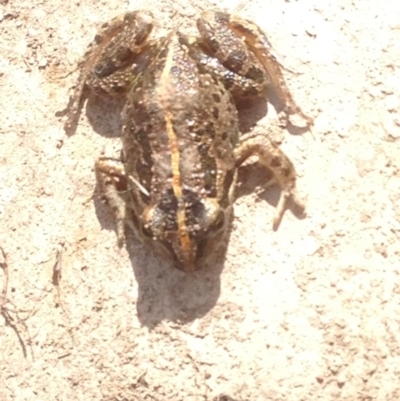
pixel 255 178
pixel 102 110
pixel 250 111
pixel 165 292
pixel 104 115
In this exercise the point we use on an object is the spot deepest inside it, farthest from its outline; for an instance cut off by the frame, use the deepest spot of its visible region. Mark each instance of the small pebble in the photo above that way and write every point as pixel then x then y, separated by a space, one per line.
pixel 42 62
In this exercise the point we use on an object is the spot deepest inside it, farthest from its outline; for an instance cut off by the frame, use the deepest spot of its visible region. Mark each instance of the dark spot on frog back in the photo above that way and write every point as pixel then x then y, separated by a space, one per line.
pixel 275 162
pixel 216 97
pixel 209 169
pixel 215 112
pixel 175 70
pixel 286 171
pixel 256 74
pixel 154 108
pixel 235 60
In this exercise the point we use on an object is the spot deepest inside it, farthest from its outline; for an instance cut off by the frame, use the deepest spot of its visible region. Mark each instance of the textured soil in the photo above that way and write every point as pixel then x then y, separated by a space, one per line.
pixel 308 312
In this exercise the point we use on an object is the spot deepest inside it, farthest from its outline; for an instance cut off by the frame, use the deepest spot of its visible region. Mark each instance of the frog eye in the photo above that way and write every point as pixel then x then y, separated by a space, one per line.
pixel 213 216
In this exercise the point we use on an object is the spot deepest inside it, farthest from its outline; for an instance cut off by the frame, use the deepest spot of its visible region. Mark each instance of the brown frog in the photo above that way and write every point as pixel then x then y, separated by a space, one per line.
pixel 181 140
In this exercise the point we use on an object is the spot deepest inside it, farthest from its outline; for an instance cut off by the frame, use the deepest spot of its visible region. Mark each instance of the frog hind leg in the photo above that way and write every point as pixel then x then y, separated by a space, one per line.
pixel 274 159
pixel 262 48
pixel 240 86
pixel 229 57
pixel 108 61
pixel 211 23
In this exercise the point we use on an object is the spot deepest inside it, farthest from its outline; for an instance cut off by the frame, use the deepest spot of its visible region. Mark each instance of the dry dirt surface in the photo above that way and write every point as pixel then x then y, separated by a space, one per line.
pixel 308 312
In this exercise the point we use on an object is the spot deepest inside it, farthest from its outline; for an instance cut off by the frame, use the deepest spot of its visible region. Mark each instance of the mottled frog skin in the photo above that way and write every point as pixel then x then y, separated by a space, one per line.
pixel 180 132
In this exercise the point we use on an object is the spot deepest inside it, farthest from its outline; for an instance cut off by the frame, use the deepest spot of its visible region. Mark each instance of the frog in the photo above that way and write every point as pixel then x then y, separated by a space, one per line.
pixel 174 184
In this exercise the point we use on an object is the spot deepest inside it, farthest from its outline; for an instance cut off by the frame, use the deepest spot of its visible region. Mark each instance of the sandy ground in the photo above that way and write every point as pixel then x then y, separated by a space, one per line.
pixel 309 312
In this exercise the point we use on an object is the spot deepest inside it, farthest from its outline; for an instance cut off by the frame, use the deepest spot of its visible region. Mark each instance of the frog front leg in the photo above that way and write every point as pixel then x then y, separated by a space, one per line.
pixel 270 156
pixel 243 48
pixel 109 62
pixel 110 174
